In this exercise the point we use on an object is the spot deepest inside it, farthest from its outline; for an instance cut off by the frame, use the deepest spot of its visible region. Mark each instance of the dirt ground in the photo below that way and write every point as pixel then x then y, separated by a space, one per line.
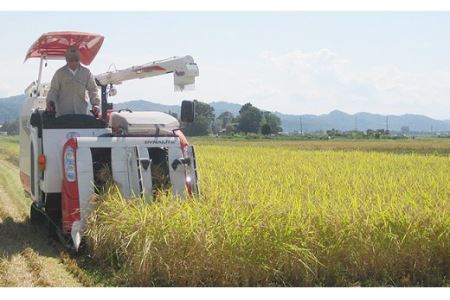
pixel 28 258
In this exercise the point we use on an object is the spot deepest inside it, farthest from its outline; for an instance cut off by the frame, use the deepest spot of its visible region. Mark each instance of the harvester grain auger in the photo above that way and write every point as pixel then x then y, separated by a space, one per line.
pixel 61 157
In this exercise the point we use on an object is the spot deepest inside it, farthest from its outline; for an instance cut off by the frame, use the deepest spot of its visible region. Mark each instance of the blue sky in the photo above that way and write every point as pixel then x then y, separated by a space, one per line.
pixel 292 62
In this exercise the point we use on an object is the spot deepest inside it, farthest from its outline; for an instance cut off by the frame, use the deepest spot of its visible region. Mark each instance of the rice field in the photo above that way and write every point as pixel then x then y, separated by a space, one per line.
pixel 288 213
pixel 9 149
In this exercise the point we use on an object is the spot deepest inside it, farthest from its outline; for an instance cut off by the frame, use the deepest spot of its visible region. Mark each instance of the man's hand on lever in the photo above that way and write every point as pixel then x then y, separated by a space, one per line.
pixel 50 107
pixel 95 110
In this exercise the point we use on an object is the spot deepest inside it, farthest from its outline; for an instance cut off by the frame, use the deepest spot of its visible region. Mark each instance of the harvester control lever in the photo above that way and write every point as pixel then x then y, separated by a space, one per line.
pixel 185 161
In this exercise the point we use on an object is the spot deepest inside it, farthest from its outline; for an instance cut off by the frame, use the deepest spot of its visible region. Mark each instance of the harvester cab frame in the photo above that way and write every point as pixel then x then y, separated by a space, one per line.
pixel 63 159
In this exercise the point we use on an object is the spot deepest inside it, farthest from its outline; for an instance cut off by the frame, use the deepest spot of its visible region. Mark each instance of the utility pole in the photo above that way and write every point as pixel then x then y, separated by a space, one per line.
pixel 387 123
pixel 301 126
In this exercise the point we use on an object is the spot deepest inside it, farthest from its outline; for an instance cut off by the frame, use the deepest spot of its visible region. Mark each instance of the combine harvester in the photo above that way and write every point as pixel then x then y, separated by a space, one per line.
pixel 62 158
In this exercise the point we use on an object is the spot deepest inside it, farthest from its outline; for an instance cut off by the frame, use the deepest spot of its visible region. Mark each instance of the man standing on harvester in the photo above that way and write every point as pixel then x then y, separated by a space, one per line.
pixel 67 94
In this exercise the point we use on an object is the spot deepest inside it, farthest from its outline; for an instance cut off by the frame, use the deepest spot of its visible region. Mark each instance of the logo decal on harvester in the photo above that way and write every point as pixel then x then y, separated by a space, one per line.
pixel 156 141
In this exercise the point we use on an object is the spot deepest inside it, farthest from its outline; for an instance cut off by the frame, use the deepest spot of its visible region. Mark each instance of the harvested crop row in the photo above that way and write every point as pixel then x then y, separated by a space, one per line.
pixel 276 216
pixel 23 269
pixel 26 257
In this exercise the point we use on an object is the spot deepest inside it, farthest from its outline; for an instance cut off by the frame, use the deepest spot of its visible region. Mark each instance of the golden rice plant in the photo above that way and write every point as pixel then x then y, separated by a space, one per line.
pixel 283 216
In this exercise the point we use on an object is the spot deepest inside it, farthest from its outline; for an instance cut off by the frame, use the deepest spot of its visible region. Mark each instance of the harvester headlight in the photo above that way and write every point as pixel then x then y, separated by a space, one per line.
pixel 69 164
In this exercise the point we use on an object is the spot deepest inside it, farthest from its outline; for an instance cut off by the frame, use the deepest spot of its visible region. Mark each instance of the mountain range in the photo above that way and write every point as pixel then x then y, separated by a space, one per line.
pixel 10 109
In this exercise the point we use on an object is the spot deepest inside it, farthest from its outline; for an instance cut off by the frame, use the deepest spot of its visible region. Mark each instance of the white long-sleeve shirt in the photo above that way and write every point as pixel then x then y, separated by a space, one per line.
pixel 69 91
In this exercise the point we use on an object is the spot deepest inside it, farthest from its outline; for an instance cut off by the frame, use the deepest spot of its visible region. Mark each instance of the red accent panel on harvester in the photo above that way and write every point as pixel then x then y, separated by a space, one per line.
pixel 70 200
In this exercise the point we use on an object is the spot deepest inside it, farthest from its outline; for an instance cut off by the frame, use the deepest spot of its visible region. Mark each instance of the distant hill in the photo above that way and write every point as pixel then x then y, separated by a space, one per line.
pixel 336 119
pixel 10 109
pixel 362 121
pixel 221 107
pixel 147 106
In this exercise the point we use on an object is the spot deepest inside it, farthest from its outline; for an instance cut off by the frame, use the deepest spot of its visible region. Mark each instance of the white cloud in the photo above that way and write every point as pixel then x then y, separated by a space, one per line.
pixel 320 81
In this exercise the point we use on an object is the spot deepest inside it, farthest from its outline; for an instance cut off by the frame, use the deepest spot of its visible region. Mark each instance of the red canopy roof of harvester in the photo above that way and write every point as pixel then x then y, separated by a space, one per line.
pixel 53 45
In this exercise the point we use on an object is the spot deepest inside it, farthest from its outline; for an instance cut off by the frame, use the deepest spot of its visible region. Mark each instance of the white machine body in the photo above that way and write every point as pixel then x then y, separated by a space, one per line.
pixel 143 123
pixel 130 156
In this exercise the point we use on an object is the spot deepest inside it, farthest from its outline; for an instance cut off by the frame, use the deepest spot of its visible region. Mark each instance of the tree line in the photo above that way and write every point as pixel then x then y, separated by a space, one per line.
pixel 11 128
pixel 250 120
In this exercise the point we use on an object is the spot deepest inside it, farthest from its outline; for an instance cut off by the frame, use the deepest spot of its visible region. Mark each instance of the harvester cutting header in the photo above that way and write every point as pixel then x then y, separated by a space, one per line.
pixel 62 155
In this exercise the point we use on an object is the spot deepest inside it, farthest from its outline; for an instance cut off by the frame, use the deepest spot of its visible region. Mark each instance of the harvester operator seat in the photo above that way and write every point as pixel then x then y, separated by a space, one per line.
pixel 45 120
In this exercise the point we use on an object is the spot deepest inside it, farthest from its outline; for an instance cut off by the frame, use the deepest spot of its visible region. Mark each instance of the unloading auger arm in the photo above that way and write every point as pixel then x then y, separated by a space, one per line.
pixel 184 71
